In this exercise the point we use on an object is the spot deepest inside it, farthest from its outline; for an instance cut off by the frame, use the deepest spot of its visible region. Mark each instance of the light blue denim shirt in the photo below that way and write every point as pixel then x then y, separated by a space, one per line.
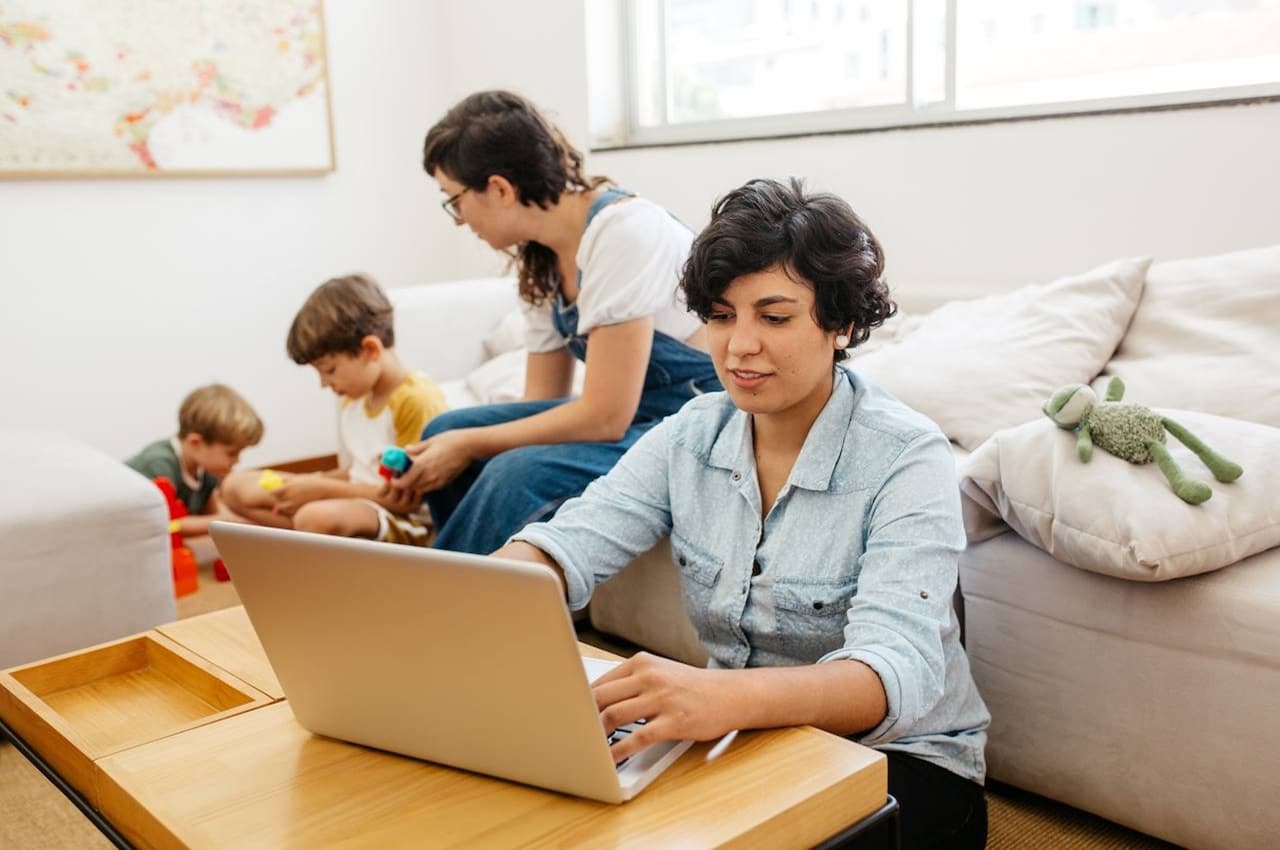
pixel 856 559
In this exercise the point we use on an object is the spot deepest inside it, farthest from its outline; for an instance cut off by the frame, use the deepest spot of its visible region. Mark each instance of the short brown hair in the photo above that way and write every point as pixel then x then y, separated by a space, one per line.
pixel 337 316
pixel 219 414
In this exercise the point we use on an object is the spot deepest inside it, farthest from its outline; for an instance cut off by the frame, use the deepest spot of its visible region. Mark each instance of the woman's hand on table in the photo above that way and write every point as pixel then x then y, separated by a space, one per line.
pixel 677 702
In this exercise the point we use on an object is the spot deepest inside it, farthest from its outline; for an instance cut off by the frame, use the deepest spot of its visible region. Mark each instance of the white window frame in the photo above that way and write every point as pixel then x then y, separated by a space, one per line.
pixel 614 98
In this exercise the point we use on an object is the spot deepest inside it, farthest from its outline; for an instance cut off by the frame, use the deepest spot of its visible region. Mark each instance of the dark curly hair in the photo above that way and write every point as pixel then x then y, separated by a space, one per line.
pixel 816 239
pixel 498 132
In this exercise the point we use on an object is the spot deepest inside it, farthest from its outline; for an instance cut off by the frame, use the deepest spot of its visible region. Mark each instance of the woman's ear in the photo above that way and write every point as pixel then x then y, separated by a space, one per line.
pixel 505 190
pixel 844 337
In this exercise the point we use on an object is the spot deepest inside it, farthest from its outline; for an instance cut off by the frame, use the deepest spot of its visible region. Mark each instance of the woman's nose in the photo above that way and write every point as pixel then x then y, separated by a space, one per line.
pixel 743 340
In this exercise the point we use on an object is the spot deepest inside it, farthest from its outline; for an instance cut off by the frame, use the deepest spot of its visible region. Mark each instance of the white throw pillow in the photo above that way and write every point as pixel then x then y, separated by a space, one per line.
pixel 507 335
pixel 1206 336
pixel 1121 519
pixel 895 329
pixel 457 394
pixel 975 367
pixel 501 379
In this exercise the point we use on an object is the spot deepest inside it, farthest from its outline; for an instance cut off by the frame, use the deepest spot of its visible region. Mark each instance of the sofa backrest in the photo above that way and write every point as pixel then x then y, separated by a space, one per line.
pixel 440 327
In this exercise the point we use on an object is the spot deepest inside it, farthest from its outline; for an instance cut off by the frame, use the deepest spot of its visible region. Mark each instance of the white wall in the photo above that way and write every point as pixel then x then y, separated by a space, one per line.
pixel 991 207
pixel 964 209
pixel 122 295
pixel 537 49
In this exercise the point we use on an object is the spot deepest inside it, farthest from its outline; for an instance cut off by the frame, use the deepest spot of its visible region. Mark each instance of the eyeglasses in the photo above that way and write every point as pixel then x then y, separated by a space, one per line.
pixel 450 205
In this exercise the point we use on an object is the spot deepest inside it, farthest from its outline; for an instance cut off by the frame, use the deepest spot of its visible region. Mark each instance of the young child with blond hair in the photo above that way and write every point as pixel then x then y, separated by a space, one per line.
pixel 215 424
pixel 345 331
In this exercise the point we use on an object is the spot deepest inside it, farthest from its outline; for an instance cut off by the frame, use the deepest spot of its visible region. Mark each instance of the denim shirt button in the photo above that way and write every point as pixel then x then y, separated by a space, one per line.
pixel 817 605
pixel 683 561
pixel 924 594
pixel 736 476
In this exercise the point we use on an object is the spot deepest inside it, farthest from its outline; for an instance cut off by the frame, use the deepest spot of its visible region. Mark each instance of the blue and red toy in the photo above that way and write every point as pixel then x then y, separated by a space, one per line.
pixel 394 463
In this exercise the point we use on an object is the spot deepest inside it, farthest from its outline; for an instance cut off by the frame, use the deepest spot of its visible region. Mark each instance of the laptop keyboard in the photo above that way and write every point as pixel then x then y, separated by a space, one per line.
pixel 620 733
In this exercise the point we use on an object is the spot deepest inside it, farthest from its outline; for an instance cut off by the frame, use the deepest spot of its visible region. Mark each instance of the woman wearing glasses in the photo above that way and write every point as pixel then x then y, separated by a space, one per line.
pixel 598 270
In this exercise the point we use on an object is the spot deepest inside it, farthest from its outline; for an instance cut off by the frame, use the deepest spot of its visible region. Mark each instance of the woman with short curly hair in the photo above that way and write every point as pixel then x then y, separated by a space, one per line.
pixel 814 518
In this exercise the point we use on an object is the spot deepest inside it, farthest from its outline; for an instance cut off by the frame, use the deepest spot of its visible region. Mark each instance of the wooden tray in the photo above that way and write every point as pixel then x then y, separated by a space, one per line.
pixel 227 639
pixel 77 708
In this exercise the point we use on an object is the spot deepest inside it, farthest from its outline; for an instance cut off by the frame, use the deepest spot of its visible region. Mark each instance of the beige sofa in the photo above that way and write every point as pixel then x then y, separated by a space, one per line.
pixel 1150 702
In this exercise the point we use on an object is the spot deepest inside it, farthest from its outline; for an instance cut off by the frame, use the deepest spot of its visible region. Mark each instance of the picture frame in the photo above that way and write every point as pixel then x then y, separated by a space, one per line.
pixel 164 88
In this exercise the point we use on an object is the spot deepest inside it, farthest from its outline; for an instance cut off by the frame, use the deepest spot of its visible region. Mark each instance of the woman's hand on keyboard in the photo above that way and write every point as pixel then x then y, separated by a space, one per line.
pixel 677 702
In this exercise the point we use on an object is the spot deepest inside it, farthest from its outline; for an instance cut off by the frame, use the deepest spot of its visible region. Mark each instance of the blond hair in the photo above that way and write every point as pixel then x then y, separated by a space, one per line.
pixel 219 414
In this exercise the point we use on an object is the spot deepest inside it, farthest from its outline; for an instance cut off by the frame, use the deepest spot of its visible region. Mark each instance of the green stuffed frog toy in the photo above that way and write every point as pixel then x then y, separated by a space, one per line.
pixel 1136 434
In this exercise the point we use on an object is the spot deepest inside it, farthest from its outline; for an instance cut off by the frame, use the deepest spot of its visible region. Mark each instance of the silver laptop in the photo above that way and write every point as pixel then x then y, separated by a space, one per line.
pixel 464 660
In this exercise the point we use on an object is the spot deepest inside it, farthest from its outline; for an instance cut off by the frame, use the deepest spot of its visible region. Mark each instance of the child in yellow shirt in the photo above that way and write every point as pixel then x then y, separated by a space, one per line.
pixel 345 331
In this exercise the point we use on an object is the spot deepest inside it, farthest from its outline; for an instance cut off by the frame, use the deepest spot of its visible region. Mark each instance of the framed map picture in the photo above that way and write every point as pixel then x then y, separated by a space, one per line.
pixel 163 87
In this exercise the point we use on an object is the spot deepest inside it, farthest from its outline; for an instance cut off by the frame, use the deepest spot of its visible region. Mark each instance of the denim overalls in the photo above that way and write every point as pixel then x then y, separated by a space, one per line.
pixel 492 499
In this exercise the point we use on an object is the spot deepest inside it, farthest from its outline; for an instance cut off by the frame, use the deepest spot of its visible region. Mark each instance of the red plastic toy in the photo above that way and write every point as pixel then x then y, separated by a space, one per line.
pixel 185 578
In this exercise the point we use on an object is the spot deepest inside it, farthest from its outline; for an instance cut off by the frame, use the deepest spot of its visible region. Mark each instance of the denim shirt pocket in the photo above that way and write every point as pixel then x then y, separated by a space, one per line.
pixel 699 572
pixel 813 610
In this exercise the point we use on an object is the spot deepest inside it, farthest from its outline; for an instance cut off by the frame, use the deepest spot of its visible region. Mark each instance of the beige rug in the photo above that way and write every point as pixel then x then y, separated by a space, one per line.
pixel 35 816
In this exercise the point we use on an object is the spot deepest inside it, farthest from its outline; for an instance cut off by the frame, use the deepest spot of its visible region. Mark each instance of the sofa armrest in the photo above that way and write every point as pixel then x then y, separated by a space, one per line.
pixel 440 327
pixel 84 548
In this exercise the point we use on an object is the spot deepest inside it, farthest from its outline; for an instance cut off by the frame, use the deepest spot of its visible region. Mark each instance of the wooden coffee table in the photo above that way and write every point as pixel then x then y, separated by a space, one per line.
pixel 244 774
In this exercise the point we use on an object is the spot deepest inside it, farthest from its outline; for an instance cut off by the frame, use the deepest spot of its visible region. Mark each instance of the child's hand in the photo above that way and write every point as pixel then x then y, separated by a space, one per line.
pixel 297 491
pixel 401 502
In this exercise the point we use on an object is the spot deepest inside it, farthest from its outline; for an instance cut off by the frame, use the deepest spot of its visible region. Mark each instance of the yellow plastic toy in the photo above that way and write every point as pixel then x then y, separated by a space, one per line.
pixel 270 480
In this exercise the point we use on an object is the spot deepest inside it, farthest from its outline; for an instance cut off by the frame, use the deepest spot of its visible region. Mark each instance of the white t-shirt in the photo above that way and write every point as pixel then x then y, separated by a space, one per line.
pixel 364 433
pixel 630 257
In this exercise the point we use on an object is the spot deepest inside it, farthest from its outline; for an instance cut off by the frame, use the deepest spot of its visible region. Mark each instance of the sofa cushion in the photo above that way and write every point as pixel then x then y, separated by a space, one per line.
pixel 501 379
pixel 975 367
pixel 458 394
pixel 1206 336
pixel 441 327
pixel 895 329
pixel 1121 519
pixel 507 334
